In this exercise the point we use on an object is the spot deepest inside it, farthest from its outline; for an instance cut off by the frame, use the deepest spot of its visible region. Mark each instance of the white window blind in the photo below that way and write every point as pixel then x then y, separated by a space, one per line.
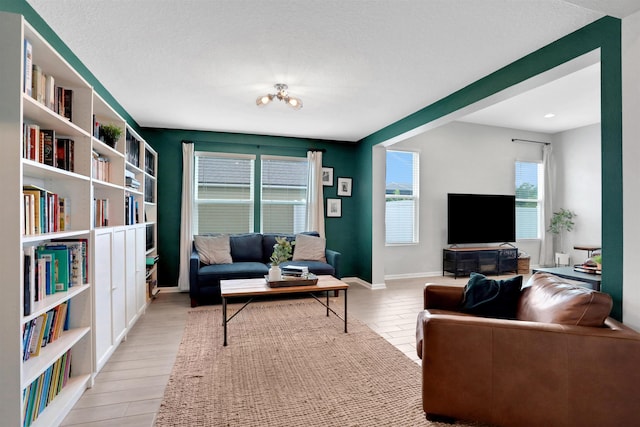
pixel 401 197
pixel 223 193
pixel 528 200
pixel 284 194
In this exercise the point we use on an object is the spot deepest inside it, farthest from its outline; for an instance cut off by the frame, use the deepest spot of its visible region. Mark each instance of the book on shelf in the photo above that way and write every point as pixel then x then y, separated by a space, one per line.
pixel 41 392
pixel 27 67
pixel 48 138
pixel 64 154
pixel 37 84
pixel 26 285
pixel 50 92
pixel 101 212
pixel 61 262
pixel 47 212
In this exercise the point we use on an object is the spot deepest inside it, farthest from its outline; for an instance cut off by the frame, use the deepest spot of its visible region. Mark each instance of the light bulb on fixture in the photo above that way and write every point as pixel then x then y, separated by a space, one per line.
pixel 282 94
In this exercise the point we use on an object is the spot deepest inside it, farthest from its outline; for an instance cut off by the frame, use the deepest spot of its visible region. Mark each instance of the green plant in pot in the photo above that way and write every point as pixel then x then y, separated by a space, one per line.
pixel 110 134
pixel 561 223
pixel 282 251
pixel 598 260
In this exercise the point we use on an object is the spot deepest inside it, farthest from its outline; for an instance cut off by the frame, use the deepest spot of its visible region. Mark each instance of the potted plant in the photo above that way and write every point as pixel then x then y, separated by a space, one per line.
pixel 561 222
pixel 598 260
pixel 110 134
pixel 282 251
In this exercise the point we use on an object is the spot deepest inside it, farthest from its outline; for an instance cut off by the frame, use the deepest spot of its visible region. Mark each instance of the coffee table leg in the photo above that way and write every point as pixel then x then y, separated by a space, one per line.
pixel 224 319
pixel 345 311
pixel 327 303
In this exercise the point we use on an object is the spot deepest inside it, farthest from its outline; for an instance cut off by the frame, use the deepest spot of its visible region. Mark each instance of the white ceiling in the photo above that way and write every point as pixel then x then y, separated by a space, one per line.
pixel 357 65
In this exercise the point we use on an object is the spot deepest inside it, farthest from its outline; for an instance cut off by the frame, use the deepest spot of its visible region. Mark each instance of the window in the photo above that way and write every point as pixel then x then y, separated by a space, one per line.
pixel 284 194
pixel 401 206
pixel 223 199
pixel 528 200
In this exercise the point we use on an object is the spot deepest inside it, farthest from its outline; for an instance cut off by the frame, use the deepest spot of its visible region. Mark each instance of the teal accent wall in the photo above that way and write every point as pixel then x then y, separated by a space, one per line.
pixel 168 143
pixel 603 34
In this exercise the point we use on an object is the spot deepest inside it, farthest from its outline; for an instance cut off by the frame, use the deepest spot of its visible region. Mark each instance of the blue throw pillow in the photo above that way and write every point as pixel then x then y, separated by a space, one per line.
pixel 492 298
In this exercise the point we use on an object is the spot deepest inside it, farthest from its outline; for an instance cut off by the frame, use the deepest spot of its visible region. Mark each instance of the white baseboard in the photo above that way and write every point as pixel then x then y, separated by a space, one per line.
pixel 169 289
pixel 364 283
pixel 413 275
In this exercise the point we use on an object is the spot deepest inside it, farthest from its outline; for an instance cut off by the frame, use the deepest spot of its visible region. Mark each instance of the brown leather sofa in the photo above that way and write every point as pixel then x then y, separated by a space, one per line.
pixel 561 362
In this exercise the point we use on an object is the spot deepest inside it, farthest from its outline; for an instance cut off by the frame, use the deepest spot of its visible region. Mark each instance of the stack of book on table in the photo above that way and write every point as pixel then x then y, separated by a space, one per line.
pixel 295 271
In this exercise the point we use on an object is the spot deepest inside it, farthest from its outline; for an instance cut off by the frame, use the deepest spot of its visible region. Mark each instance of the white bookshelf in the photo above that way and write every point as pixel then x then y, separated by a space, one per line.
pixel 17 108
pixel 102 311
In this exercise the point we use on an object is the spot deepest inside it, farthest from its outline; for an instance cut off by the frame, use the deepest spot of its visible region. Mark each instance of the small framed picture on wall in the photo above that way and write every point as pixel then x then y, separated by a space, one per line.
pixel 327 177
pixel 344 186
pixel 334 208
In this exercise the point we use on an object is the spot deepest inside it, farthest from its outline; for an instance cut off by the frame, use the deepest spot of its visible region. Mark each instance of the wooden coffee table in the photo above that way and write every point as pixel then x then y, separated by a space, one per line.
pixel 256 287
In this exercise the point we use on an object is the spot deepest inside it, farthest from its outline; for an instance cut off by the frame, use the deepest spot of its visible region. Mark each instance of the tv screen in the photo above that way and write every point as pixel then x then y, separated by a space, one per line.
pixel 481 218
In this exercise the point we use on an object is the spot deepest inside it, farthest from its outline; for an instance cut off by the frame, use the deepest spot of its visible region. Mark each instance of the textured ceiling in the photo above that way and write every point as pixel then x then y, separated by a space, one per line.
pixel 357 65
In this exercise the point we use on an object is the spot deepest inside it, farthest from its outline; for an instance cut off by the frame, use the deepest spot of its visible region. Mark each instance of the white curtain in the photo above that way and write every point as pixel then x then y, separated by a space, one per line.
pixel 186 232
pixel 315 196
pixel 546 243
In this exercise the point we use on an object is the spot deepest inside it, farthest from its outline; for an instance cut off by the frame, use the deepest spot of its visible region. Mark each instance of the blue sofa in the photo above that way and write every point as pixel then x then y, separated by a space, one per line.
pixel 250 253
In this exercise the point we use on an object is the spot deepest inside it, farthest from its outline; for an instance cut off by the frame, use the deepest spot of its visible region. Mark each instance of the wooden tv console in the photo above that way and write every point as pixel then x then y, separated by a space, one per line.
pixel 484 260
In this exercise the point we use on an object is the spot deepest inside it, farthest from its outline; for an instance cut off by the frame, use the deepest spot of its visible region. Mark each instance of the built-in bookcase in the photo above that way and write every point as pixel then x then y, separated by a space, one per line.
pixel 69 198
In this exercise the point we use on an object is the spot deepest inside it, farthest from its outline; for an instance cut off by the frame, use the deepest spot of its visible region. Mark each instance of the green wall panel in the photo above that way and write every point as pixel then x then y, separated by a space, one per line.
pixel 168 143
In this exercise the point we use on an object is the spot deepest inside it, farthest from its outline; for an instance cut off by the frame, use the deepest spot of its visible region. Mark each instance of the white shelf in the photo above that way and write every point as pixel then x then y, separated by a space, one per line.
pixel 49 119
pixel 53 300
pixel 35 238
pixel 105 150
pixel 55 413
pixel 36 365
pixel 42 171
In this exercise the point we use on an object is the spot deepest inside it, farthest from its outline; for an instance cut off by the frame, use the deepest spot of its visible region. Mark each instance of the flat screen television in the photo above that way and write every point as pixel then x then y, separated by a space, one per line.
pixel 480 218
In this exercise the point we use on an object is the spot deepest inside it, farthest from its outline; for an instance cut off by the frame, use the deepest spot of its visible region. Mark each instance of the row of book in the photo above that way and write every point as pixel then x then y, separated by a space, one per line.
pixel 100 212
pixel 148 189
pixel 42 145
pixel 44 329
pixel 133 149
pixel 100 167
pixel 45 211
pixel 53 267
pixel 39 394
pixel 131 215
pixel 42 87
pixel 149 162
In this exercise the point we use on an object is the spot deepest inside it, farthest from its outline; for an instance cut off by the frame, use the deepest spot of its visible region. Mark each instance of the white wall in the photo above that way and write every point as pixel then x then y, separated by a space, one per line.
pixel 577 156
pixel 458 158
pixel 631 168
pixel 467 158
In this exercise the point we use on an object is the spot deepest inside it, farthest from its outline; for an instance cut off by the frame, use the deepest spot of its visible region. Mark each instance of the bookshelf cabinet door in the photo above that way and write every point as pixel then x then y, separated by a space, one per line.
pixel 102 295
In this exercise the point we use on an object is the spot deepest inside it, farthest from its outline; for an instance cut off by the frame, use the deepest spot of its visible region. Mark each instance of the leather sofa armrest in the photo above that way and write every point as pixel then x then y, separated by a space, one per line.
pixel 444 297
pixel 333 258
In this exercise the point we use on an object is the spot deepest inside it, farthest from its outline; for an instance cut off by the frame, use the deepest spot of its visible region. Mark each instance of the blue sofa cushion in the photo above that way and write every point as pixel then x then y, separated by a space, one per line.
pixel 246 247
pixel 212 274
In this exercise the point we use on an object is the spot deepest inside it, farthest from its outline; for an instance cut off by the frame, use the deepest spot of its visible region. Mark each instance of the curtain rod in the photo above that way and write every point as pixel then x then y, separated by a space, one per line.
pixel 528 140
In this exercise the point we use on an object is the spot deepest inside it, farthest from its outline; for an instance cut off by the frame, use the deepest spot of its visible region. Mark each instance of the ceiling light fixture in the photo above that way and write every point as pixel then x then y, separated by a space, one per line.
pixel 282 95
pixel 549 115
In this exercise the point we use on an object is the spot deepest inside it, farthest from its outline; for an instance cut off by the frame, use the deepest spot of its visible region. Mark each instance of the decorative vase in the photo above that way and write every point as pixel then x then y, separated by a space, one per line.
pixel 275 274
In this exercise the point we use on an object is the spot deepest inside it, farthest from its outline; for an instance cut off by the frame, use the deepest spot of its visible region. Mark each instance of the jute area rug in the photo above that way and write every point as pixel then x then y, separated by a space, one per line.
pixel 287 364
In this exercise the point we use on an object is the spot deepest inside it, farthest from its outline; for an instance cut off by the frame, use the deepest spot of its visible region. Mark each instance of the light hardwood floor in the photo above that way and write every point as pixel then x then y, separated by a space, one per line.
pixel 129 389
